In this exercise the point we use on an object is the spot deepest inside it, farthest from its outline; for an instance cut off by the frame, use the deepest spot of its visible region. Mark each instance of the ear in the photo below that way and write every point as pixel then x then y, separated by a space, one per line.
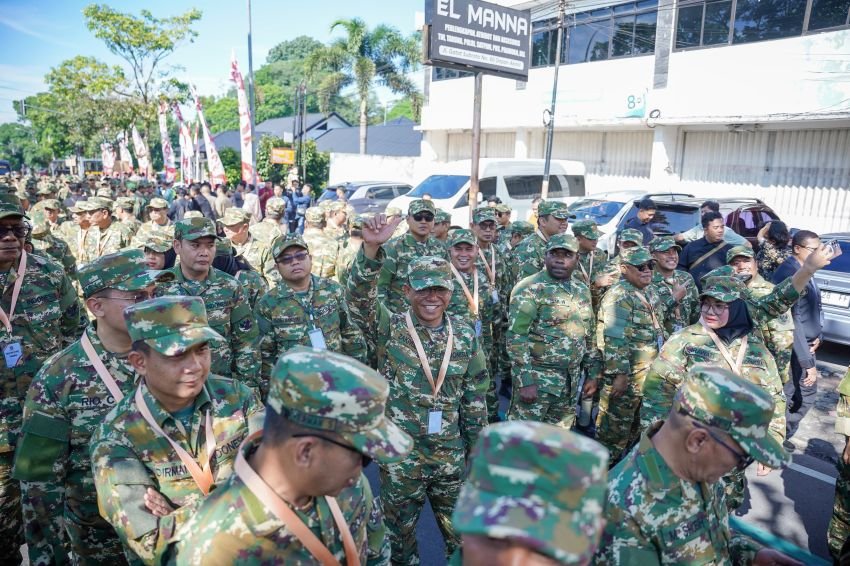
pixel 138 361
pixel 176 246
pixel 407 290
pixel 305 450
pixel 696 441
pixel 95 306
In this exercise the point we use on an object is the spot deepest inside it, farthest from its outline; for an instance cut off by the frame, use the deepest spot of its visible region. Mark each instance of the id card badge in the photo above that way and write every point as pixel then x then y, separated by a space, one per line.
pixel 678 327
pixel 12 352
pixel 494 295
pixel 317 339
pixel 660 340
pixel 435 422
pixel 478 328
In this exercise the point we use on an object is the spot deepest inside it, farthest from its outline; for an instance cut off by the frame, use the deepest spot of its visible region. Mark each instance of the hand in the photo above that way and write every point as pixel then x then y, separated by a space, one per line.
pixel 763 470
pixel 528 394
pixel 157 504
pixel 811 377
pixel 770 557
pixel 763 232
pixel 376 231
pixel 815 345
pixel 679 292
pixel 819 258
pixel 846 454
pixel 605 280
pixel 621 383
pixel 589 388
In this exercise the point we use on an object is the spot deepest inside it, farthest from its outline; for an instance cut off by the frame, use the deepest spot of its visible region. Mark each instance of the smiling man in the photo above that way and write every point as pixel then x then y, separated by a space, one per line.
pixel 665 252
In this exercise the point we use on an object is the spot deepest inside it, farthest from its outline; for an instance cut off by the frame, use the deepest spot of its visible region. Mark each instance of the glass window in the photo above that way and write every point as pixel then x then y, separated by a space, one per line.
pixel 688 26
pixel 624 33
pixel 759 20
pixel 716 26
pixel 828 13
pixel 543 45
pixel 443 73
pixel 440 186
pixel 487 187
pixel 383 193
pixel 645 33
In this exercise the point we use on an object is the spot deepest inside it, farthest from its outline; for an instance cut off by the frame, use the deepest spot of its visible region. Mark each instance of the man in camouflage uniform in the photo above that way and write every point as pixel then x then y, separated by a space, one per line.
pixel 81 232
pixel 400 251
pixel 67 400
pixel 839 523
pixel 46 317
pixel 778 332
pixel 665 251
pixel 158 212
pixel 227 303
pixel 518 231
pixel 337 221
pixel 332 408
pixel 629 335
pixel 126 218
pixel 269 227
pixel 665 504
pixel 144 487
pixel 323 249
pixel 303 309
pixel 530 484
pixel 348 251
pixel 629 238
pixel 442 411
pixel 551 339
pixel 258 254
pixel 47 245
pixel 442 223
pixel 529 254
pixel 592 262
pixel 503 226
pixel 106 236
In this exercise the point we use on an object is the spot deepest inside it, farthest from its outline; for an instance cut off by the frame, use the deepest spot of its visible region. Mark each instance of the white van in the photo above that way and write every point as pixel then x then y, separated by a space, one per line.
pixel 516 181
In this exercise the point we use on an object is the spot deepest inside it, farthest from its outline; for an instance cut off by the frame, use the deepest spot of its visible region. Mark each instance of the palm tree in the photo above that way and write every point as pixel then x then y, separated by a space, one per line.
pixel 362 58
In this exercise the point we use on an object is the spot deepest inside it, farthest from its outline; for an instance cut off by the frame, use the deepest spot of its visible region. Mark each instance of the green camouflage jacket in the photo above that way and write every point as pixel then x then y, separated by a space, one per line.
pixel 57 249
pixel 146 228
pixel 232 526
pixel 128 457
pixel 687 311
pixel 504 283
pixel 259 256
pixel 398 254
pixel 323 251
pixel 488 312
pixel 131 226
pixel 461 399
pixel 346 256
pixel 266 230
pixel 285 319
pixel 528 257
pixel 230 315
pixel 101 242
pixel 653 517
pixel 778 331
pixel 254 285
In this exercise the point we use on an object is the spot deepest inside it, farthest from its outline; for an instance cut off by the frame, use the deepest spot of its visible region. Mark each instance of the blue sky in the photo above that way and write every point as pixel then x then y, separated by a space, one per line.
pixel 36 35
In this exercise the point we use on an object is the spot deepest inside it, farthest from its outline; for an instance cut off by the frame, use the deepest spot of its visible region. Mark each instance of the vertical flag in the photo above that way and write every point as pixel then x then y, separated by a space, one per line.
pixel 245 140
pixel 124 152
pixel 186 148
pixel 107 155
pixel 198 173
pixel 141 150
pixel 217 176
pixel 165 141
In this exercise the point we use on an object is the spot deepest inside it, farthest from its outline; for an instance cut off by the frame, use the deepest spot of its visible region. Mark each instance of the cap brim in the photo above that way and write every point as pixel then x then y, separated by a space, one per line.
pixel 767 450
pixel 180 341
pixel 8 213
pixel 144 280
pixel 726 298
pixel 192 238
pixel 420 284
pixel 386 443
pixel 464 241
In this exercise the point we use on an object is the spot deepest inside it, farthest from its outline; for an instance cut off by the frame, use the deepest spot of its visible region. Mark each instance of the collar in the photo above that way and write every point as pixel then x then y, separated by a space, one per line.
pixel 658 475
pixel 286 291
pixel 178 275
pixel 411 241
pixel 160 415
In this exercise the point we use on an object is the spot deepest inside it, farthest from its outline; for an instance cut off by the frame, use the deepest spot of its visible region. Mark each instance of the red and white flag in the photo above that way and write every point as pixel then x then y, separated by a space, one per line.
pixel 216 168
pixel 140 148
pixel 124 152
pixel 107 155
pixel 245 141
pixel 186 148
pixel 165 141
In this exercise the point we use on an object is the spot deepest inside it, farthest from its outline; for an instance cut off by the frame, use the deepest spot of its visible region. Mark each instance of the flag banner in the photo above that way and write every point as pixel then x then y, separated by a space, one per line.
pixel 107 155
pixel 244 122
pixel 197 173
pixel 124 153
pixel 216 168
pixel 165 141
pixel 186 147
pixel 140 148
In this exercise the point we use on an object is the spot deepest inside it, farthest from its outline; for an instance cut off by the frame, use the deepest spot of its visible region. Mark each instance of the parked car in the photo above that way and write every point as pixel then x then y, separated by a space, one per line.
pixel 378 197
pixel 359 189
pixel 834 283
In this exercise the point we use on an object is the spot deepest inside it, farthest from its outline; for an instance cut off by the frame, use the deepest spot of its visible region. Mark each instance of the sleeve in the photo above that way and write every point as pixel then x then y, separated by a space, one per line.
pixel 842 410
pixel 74 320
pixel 777 302
pixel 662 381
pixel 366 308
pixel 801 348
pixel 473 405
pixel 523 313
pixel 613 327
pixel 388 270
pixel 269 270
pixel 243 341
pixel 622 541
pixel 267 342
pixel 774 386
pixel 378 543
pixel 353 342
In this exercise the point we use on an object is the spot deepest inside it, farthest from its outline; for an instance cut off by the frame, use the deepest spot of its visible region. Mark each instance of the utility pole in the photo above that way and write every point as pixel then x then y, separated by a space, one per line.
pixel 251 97
pixel 550 131
pixel 476 145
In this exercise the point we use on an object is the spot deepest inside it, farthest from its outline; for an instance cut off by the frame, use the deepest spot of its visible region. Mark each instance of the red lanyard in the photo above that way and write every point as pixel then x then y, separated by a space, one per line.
pixel 16 290
pixel 423 359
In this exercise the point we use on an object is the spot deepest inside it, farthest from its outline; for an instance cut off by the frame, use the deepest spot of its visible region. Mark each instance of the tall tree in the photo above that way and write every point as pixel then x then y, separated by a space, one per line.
pixel 365 57
pixel 18 145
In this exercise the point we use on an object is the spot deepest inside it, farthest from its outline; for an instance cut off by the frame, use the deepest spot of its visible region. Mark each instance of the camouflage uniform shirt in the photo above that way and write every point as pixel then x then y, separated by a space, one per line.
pixel 101 242
pixel 323 250
pixel 266 230
pixel 259 256
pixel 686 312
pixel 528 256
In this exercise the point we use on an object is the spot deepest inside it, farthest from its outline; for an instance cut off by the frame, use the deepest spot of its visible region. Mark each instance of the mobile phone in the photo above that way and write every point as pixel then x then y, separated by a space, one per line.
pixel 835 246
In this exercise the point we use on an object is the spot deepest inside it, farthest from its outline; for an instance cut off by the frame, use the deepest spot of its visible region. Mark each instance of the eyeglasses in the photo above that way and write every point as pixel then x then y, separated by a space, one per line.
pixel 366 460
pixel 743 460
pixel 287 259
pixel 423 217
pixel 19 231
pixel 424 293
pixel 811 249
pixel 648 266
pixel 716 308
pixel 136 298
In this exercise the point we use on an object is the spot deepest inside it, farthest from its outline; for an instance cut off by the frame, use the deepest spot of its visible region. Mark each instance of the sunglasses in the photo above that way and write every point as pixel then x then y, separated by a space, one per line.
pixel 743 460
pixel 366 460
pixel 287 259
pixel 136 298
pixel 648 266
pixel 17 231
pixel 423 217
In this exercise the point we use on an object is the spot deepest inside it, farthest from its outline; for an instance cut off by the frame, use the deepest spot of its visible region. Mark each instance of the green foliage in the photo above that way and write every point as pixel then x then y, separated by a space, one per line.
pixel 232 162
pixel 221 114
pixel 401 109
pixel 316 163
pixel 293 49
pixel 19 147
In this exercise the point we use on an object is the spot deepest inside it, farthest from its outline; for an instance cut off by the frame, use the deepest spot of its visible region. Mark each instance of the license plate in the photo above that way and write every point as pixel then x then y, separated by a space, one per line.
pixel 835 299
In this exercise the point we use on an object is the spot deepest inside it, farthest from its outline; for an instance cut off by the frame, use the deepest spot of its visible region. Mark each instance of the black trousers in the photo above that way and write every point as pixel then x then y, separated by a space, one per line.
pixel 800 391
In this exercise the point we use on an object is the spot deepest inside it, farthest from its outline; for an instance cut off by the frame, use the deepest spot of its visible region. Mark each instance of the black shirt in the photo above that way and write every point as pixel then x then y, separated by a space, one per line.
pixel 696 250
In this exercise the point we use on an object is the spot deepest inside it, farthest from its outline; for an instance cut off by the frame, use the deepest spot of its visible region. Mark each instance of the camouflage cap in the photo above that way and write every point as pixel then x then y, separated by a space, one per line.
pixel 125 271
pixel 51 204
pixel 430 271
pixel 233 216
pixel 159 241
pixel 170 325
pixel 462 236
pixel 328 391
pixel 722 271
pixel 562 242
pixel 553 208
pixel 337 205
pixel 356 222
pixel 421 205
pixel 636 256
pixel 193 214
pixel 442 217
pixel 502 207
pixel 104 193
pixel 392 211
pixel 587 229
pixel 283 243
pixel 484 214
pixel 631 235
pixel 131 185
pixel 127 203
pixel 726 289
pixel 718 398
pixel 539 485
pixel 736 251
pixel 223 247
pixel 194 228
pixel 314 214
pixel 275 205
pixel 522 228
pixel 10 205
pixel 49 190
pixel 663 243
pixel 157 203
pixel 40 226
pixel 99 203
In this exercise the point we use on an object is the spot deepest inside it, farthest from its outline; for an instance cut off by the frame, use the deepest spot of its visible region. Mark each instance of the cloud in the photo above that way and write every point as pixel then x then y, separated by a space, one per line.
pixel 27 28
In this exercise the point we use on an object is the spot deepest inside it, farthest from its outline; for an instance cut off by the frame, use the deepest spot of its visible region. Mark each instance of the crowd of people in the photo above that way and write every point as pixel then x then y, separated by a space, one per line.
pixel 200 379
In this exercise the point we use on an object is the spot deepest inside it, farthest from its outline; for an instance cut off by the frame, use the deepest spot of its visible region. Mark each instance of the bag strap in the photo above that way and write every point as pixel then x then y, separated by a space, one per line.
pixel 707 255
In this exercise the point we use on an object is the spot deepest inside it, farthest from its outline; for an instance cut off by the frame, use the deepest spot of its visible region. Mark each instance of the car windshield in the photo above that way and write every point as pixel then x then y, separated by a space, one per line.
pixel 439 186
pixel 669 219
pixel 330 193
pixel 602 211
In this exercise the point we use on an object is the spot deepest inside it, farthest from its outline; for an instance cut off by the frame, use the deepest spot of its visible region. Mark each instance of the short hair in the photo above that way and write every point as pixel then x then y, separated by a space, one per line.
pixel 801 236
pixel 712 205
pixel 710 217
pixel 277 429
pixel 647 204
pixel 356 233
pixel 141 347
pixel 273 215
pixel 778 233
pixel 181 192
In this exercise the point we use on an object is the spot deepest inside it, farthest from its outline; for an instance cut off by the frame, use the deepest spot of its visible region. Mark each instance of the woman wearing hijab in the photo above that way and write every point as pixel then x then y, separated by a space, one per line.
pixel 725 336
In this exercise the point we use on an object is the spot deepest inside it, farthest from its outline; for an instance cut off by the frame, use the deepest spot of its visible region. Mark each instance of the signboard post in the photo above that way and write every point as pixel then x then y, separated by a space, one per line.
pixel 282 156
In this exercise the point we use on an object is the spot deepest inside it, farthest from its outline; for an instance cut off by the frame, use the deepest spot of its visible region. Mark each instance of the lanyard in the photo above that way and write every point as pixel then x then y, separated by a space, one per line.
pixel 490 269
pixel 643 300
pixel 542 237
pixel 202 476
pixel 423 359
pixel 734 364
pixel 102 241
pixel 81 239
pixel 6 319
pixel 307 303
pixel 589 272
pixel 292 521
pixel 471 298
pixel 101 370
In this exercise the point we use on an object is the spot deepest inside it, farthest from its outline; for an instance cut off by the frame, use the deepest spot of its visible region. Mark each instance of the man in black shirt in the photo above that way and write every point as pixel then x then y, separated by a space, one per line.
pixel 709 252
pixel 643 221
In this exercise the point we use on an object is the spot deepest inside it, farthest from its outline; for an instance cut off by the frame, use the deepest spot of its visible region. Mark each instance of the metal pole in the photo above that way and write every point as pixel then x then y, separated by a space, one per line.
pixel 550 133
pixel 476 145
pixel 251 96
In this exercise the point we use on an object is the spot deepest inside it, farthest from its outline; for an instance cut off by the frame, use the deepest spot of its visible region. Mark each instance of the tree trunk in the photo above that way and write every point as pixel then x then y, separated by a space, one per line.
pixel 364 122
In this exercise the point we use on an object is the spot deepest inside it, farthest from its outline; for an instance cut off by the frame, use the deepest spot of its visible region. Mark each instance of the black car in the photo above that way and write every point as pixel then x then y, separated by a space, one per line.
pixel 374 190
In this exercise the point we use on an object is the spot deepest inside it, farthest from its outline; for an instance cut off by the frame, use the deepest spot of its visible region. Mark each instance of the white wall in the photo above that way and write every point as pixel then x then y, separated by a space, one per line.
pixel 356 167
